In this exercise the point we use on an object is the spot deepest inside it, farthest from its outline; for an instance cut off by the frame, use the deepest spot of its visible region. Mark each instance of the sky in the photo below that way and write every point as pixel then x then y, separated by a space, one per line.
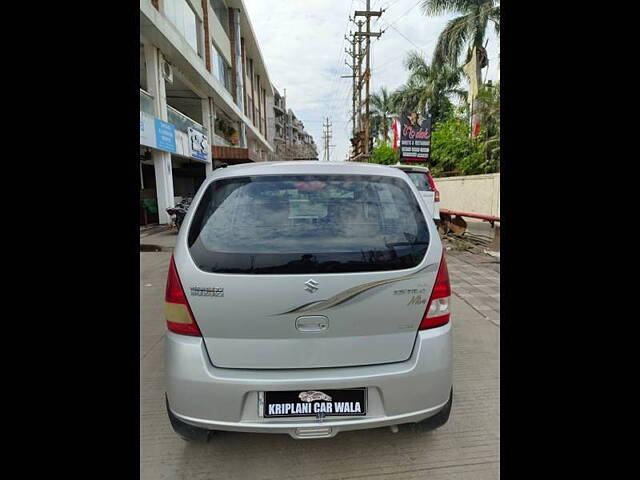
pixel 303 45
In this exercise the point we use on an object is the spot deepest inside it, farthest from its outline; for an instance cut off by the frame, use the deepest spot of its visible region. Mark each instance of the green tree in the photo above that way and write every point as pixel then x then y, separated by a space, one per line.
pixel 466 31
pixel 384 154
pixel 488 106
pixel 381 109
pixel 453 151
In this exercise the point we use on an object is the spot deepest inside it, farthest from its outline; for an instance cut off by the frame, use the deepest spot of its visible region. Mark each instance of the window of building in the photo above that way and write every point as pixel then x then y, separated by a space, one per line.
pixel 220 68
pixel 143 69
pixel 264 113
pixel 179 13
pixel 222 12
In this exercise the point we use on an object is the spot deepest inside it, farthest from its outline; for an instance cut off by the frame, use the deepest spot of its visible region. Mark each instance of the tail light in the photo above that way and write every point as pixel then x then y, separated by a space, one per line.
pixel 437 312
pixel 433 186
pixel 180 318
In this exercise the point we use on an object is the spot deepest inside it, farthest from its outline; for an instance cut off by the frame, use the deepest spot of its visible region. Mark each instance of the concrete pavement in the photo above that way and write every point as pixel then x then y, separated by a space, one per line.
pixel 467 447
pixel 166 238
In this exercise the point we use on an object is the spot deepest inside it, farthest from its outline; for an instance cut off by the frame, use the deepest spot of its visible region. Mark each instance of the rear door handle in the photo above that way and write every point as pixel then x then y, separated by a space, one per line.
pixel 312 323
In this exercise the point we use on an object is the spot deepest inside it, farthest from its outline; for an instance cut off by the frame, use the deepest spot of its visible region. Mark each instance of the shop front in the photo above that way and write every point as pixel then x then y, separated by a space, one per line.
pixel 173 163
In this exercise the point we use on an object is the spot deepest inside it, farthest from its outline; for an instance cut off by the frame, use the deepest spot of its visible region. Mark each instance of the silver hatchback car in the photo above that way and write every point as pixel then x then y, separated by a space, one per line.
pixel 307 298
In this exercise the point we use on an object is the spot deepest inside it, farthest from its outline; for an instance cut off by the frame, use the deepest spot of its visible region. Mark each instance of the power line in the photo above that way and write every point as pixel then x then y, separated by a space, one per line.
pixel 390 4
pixel 337 78
pixel 404 14
pixel 407 38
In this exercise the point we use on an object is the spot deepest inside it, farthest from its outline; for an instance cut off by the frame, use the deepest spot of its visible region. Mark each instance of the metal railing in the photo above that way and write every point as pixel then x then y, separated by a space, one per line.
pixel 182 122
pixel 220 141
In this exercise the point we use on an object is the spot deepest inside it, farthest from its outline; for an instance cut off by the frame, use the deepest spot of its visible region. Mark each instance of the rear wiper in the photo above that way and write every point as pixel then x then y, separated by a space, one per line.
pixel 371 256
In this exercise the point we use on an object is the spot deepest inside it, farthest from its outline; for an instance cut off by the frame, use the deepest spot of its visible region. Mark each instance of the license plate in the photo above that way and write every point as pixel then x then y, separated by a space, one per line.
pixel 316 403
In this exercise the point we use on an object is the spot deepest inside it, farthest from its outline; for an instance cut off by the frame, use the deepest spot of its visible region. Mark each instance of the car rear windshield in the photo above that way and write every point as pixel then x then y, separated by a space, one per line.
pixel 273 224
pixel 420 180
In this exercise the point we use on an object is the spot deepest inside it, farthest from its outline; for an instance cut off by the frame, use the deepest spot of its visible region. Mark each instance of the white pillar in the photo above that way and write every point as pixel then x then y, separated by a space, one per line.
pixel 161 159
pixel 155 81
pixel 164 184
pixel 207 121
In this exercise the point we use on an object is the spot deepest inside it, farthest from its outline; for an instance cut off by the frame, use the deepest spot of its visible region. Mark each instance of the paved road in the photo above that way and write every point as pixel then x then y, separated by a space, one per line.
pixel 467 447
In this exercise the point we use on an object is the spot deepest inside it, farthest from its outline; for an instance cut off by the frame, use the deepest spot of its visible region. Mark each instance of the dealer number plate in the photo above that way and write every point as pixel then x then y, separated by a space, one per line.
pixel 316 403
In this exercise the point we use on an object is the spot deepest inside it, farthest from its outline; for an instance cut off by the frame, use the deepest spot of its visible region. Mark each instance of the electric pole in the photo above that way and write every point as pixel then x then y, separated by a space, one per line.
pixel 356 69
pixel 356 98
pixel 358 135
pixel 368 13
pixel 326 136
pixel 354 56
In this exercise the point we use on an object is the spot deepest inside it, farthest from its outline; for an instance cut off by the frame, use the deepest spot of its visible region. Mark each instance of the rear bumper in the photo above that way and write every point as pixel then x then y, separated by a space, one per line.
pixel 228 399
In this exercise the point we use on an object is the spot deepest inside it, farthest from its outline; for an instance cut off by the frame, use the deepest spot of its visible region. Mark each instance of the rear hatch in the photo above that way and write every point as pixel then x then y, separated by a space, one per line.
pixel 286 271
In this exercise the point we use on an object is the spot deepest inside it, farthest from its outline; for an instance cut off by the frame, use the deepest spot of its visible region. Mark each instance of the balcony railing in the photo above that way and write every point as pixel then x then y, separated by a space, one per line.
pixel 146 103
pixel 182 122
pixel 221 142
pixel 178 119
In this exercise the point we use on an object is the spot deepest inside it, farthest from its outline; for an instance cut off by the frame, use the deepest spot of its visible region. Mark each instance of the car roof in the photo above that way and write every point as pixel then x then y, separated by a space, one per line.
pixel 305 167
pixel 410 168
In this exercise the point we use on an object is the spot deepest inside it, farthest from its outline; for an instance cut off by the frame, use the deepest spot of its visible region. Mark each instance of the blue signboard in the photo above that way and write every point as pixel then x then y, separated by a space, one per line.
pixel 165 135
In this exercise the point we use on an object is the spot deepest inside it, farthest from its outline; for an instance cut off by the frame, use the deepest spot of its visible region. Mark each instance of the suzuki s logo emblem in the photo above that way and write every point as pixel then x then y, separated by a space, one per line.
pixel 311 285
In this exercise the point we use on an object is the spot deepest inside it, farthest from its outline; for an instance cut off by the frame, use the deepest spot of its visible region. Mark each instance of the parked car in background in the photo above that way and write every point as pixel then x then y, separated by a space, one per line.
pixel 307 298
pixel 422 179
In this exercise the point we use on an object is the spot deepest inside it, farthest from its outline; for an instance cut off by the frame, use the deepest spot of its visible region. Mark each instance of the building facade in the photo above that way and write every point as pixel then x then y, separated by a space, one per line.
pixel 205 96
pixel 291 141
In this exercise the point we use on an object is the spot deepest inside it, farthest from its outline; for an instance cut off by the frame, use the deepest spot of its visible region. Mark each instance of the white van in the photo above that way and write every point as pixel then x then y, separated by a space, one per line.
pixel 422 179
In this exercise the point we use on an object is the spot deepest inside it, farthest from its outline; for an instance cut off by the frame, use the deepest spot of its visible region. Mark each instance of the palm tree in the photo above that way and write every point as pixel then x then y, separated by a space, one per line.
pixel 488 106
pixel 429 86
pixel 381 109
pixel 408 97
pixel 468 30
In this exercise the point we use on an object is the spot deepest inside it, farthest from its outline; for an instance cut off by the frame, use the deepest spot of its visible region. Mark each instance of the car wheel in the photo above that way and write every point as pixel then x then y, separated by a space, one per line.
pixel 440 418
pixel 187 432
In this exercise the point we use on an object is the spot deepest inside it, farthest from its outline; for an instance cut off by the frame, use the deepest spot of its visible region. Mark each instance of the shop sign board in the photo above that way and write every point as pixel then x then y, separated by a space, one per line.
pixel 415 138
pixel 198 144
pixel 165 135
pixel 156 133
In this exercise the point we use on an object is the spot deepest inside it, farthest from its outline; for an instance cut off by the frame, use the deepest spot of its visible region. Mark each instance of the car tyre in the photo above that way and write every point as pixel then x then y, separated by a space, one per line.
pixel 187 432
pixel 439 419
